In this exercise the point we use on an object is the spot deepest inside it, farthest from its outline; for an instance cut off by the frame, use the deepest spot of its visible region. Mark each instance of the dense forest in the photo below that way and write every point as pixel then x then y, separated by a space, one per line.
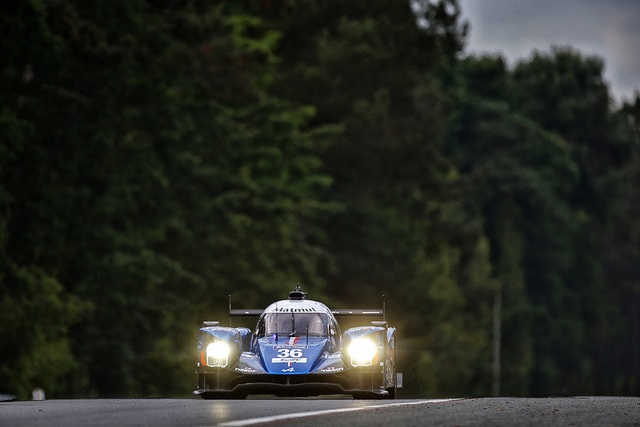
pixel 158 156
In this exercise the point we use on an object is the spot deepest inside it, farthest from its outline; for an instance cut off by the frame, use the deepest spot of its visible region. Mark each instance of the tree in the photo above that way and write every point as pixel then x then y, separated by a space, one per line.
pixel 380 72
pixel 621 337
pixel 567 95
pixel 521 140
pixel 157 162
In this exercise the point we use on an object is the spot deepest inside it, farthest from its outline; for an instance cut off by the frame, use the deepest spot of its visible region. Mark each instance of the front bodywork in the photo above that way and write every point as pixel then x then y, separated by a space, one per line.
pixel 297 349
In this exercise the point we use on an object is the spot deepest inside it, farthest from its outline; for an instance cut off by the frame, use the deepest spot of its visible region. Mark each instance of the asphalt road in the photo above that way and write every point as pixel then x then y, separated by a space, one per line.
pixel 335 412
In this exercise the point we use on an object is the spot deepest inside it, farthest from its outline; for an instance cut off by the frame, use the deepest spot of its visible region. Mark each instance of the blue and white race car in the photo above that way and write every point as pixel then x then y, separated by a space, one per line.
pixel 297 349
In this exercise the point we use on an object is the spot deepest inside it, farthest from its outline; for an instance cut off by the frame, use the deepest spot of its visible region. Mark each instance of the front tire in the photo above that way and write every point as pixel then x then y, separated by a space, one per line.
pixel 392 392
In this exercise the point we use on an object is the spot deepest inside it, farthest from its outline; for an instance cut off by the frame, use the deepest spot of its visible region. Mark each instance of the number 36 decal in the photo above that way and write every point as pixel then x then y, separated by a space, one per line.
pixel 286 352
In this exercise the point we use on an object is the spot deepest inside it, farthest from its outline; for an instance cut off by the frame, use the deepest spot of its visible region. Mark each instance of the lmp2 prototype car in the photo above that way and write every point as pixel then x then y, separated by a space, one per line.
pixel 297 349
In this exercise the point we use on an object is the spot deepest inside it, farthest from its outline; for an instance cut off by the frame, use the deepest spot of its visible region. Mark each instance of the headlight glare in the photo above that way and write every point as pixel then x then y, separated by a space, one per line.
pixel 218 354
pixel 362 351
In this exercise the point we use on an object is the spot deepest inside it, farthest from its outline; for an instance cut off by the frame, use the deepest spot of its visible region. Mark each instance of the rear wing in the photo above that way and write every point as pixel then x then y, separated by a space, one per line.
pixel 370 312
pixel 248 312
pixel 358 312
pixel 362 312
pixel 245 312
pixel 380 313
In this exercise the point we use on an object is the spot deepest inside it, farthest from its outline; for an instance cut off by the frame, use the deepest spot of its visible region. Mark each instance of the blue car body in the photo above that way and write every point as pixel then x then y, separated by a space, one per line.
pixel 297 349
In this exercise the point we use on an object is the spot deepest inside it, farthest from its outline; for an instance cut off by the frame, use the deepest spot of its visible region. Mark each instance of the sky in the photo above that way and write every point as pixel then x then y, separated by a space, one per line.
pixel 609 29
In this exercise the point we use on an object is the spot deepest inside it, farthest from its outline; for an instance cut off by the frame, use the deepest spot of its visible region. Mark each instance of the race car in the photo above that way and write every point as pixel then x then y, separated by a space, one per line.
pixel 297 349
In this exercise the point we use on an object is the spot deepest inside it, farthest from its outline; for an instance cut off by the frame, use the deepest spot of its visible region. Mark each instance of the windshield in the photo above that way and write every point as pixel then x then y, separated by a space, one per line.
pixel 291 324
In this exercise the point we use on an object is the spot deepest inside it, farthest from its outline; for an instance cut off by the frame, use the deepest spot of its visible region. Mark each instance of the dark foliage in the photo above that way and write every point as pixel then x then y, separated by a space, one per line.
pixel 157 156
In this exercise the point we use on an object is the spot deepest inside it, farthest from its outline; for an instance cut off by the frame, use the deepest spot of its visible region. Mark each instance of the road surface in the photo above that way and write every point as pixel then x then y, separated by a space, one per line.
pixel 334 412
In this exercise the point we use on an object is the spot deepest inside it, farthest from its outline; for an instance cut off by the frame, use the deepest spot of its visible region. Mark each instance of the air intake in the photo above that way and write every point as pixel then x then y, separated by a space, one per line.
pixel 297 294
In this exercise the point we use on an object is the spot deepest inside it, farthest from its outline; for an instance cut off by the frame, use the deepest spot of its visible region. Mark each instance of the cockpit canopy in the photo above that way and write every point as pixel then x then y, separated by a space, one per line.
pixel 292 324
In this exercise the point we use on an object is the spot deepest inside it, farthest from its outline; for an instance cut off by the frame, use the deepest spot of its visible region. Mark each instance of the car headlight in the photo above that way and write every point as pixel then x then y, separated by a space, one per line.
pixel 362 351
pixel 218 354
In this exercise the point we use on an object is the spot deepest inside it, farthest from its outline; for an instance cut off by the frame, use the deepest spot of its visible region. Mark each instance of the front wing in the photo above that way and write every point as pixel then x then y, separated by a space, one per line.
pixel 221 383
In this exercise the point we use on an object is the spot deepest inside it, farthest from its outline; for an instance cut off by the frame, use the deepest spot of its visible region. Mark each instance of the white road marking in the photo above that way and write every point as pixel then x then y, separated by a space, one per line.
pixel 251 421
